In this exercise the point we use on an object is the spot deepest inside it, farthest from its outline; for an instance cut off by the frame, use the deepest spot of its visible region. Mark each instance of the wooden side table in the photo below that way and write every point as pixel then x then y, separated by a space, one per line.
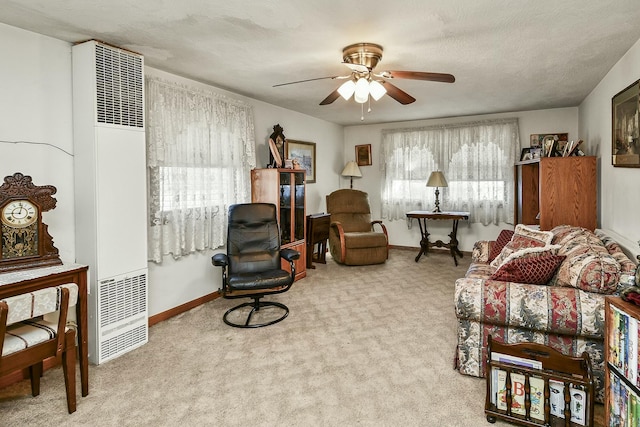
pixel 317 234
pixel 425 244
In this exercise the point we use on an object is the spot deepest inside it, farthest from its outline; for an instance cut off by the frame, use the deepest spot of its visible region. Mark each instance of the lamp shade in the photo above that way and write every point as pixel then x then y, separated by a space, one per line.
pixel 346 89
pixel 362 90
pixel 376 89
pixel 437 179
pixel 351 169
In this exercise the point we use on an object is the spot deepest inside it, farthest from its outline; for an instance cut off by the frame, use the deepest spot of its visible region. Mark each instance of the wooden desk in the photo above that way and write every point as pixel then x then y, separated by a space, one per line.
pixel 425 244
pixel 317 234
pixel 18 282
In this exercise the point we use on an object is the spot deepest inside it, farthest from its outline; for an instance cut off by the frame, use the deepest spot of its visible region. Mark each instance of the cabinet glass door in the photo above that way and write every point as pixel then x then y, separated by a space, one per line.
pixel 299 206
pixel 285 208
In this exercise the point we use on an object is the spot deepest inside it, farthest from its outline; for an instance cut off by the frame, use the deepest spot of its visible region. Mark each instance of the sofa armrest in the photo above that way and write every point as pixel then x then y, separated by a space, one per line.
pixel 481 251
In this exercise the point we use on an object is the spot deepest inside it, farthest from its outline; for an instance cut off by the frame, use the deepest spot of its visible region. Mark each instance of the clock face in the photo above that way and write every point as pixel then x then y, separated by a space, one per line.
pixel 19 213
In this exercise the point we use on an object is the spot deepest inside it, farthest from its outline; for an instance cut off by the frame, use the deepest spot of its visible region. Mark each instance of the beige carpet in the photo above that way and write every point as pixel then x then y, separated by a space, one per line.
pixel 362 346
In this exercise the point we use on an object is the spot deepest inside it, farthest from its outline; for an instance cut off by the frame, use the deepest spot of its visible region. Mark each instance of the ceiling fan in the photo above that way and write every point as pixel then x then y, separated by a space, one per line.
pixel 362 58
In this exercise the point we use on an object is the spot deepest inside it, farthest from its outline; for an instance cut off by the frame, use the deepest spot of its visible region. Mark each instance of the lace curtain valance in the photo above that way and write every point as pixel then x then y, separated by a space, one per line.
pixel 200 151
pixel 477 160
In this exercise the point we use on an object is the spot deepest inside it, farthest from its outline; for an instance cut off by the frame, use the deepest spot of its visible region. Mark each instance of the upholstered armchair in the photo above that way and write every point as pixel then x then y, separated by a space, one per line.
pixel 352 237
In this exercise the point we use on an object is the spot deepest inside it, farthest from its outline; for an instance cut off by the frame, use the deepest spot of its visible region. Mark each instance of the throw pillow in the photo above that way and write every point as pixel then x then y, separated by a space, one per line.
pixel 591 269
pixel 523 237
pixel 535 268
pixel 496 247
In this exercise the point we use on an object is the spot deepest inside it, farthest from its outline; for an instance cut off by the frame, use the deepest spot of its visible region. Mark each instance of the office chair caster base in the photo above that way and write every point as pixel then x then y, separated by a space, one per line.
pixel 256 307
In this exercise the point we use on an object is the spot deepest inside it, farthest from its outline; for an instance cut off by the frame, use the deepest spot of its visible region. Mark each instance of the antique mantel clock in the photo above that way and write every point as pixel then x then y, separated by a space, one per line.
pixel 26 243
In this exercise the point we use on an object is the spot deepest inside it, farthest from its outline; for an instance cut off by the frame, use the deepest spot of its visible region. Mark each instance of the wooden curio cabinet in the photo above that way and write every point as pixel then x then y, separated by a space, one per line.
pixel 562 190
pixel 285 188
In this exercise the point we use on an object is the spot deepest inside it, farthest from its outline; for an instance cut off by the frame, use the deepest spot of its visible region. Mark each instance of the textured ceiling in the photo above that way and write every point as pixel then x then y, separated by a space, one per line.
pixel 506 55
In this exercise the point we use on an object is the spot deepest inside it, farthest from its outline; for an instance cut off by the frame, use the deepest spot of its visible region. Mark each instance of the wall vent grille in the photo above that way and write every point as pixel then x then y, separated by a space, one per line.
pixel 119 87
pixel 122 315
pixel 122 343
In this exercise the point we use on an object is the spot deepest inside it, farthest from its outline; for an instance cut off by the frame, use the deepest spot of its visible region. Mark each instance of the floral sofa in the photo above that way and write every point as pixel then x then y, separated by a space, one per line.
pixel 537 286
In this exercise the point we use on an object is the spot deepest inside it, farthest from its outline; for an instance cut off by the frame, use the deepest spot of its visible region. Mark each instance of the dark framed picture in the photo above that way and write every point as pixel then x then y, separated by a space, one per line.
pixel 363 155
pixel 525 154
pixel 303 155
pixel 624 127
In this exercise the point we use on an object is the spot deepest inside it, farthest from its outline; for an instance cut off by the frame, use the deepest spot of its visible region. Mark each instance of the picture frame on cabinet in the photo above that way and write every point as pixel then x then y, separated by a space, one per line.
pixel 525 154
pixel 625 127
pixel 363 155
pixel 305 154
pixel 546 141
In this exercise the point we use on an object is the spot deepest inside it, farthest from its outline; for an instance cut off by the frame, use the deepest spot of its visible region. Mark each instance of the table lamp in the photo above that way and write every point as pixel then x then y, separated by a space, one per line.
pixel 351 169
pixel 437 179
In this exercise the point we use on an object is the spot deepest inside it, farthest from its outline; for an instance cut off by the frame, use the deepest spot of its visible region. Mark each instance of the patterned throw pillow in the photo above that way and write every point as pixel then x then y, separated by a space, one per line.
pixel 535 268
pixel 523 237
pixel 496 247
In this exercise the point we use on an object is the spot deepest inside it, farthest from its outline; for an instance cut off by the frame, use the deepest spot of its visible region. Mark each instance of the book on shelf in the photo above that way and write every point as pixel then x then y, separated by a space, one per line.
pixel 623 344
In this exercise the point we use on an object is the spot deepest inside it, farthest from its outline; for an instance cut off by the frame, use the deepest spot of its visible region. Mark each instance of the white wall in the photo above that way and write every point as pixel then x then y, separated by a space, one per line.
pixel 619 192
pixel 36 134
pixel 176 282
pixel 36 138
pixel 559 120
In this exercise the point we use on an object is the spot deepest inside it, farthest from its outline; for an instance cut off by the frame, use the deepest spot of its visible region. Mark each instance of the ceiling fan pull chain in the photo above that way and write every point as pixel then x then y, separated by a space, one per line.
pixel 369 110
pixel 362 112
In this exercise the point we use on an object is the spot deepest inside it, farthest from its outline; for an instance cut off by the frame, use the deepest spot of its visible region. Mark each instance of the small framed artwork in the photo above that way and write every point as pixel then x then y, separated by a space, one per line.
pixel 304 154
pixel 525 154
pixel 550 143
pixel 624 139
pixel 363 155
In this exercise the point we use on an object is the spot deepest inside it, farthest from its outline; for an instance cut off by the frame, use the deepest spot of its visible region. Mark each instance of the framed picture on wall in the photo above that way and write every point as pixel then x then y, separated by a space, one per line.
pixel 363 155
pixel 304 154
pixel 624 127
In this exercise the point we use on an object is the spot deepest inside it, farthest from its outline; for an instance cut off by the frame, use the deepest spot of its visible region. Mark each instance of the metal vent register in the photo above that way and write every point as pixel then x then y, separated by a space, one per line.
pixel 122 320
pixel 119 87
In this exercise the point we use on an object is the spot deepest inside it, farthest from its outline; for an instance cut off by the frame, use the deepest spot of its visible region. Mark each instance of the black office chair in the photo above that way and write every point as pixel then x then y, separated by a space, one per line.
pixel 252 268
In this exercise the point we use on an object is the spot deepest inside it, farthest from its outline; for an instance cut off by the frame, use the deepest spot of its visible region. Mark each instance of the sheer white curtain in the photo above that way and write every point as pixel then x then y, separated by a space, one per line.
pixel 477 160
pixel 200 151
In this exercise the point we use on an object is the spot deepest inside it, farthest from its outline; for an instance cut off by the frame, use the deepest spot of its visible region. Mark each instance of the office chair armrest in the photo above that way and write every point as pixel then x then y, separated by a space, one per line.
pixel 220 260
pixel 289 254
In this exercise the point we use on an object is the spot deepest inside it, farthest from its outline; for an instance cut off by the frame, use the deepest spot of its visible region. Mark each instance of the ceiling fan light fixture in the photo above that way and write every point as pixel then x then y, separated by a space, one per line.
pixel 376 89
pixel 346 89
pixel 362 90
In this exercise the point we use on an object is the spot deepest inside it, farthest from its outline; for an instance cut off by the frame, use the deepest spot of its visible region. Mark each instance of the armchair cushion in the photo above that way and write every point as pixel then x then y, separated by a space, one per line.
pixel 369 239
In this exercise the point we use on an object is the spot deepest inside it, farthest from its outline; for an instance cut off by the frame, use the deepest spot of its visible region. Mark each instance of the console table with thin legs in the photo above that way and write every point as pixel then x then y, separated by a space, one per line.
pixel 425 244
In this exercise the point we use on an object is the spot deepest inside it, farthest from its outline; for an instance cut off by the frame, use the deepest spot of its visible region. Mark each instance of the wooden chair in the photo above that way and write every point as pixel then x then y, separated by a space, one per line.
pixel 26 339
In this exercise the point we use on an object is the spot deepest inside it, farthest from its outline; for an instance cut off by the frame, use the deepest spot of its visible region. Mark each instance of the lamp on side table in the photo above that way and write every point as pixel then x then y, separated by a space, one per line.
pixel 437 179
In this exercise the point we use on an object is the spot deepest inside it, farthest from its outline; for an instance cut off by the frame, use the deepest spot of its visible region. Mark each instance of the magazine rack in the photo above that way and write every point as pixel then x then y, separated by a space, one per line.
pixel 533 385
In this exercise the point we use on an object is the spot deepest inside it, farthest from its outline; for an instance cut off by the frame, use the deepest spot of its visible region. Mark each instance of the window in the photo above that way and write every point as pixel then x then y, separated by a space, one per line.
pixel 200 150
pixel 476 158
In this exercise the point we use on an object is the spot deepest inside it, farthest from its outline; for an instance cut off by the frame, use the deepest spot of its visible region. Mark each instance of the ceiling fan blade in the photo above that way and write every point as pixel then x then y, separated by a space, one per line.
pixel 398 94
pixel 357 67
pixel 419 75
pixel 311 80
pixel 332 97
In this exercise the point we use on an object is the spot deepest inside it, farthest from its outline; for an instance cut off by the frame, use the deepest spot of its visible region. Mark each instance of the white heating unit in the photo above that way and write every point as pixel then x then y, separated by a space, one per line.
pixel 110 194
